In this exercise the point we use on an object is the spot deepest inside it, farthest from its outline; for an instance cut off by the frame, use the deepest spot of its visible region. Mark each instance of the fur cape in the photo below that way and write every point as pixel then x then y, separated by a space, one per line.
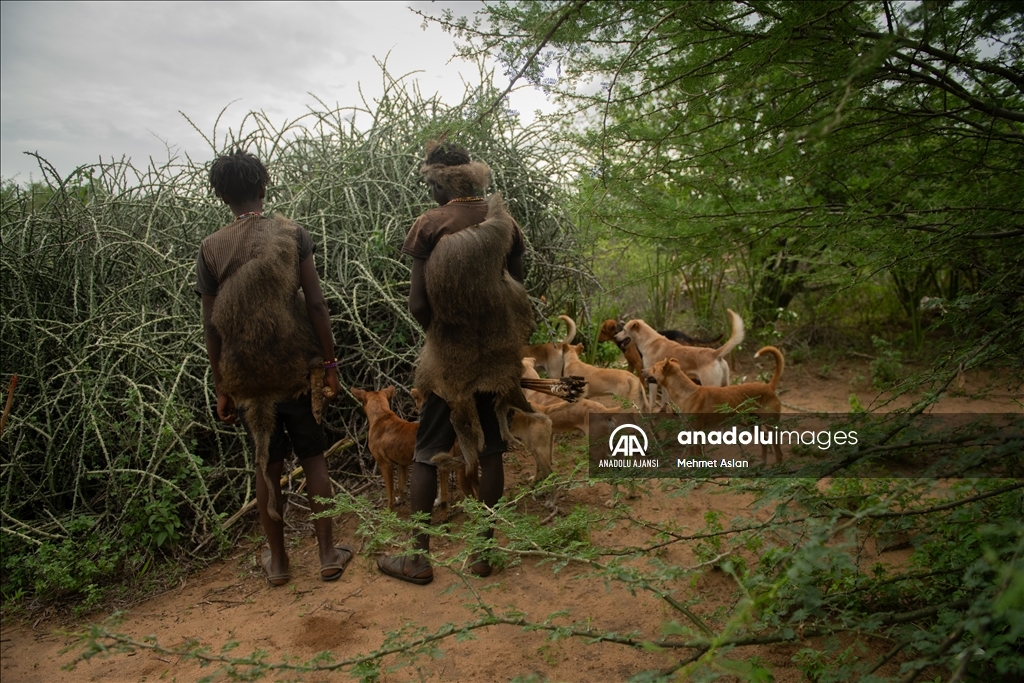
pixel 269 351
pixel 480 319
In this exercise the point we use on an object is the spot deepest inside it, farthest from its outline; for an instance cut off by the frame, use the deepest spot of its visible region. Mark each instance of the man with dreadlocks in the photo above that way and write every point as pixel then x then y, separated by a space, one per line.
pixel 449 282
pixel 265 347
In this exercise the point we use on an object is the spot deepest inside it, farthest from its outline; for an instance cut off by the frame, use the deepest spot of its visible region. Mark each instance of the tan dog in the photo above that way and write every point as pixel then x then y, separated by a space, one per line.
pixel 572 417
pixel 604 381
pixel 565 416
pixel 549 356
pixel 391 439
pixel 703 400
pixel 452 463
pixel 536 398
pixel 708 365
pixel 535 432
pixel 609 328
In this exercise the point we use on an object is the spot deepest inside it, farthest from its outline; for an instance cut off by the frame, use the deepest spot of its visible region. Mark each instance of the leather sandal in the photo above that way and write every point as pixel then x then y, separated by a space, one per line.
pixel 273 579
pixel 479 566
pixel 401 567
pixel 332 571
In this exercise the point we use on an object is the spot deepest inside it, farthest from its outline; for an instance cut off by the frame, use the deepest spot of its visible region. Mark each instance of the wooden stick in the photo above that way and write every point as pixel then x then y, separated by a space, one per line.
pixel 10 400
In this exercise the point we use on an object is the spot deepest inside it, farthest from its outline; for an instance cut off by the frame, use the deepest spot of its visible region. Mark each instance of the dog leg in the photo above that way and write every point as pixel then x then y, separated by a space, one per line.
pixel 403 476
pixel 387 472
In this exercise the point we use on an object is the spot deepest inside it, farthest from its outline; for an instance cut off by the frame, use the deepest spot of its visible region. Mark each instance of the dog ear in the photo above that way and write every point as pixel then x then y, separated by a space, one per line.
pixel 358 393
pixel 389 392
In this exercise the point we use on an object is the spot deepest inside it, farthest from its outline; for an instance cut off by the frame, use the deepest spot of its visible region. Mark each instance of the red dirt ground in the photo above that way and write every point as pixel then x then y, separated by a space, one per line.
pixel 231 600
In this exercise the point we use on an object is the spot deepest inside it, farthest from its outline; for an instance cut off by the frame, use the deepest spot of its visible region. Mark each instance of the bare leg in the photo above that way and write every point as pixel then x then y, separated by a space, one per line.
pixel 274 529
pixel 318 485
pixel 422 491
pixel 492 486
pixel 492 478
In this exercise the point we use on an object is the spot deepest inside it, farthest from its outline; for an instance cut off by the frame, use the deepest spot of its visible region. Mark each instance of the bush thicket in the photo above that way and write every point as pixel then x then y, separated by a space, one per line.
pixel 112 456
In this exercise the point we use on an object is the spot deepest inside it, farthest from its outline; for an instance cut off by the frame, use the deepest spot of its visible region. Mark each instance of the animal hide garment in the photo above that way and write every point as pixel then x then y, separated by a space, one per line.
pixel 480 319
pixel 269 351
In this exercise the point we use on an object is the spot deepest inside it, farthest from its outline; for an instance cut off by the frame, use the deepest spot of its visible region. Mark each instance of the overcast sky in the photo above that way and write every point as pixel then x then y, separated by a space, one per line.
pixel 85 80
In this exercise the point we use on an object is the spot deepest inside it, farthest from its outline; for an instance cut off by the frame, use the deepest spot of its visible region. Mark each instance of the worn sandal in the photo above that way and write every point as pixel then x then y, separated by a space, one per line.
pixel 401 567
pixel 480 567
pixel 273 579
pixel 332 571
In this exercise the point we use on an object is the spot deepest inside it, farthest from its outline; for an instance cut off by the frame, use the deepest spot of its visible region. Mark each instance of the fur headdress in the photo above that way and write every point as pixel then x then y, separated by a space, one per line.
pixel 462 180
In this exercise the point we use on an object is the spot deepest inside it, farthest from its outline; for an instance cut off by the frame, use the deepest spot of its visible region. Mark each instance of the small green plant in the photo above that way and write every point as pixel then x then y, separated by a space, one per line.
pixel 886 369
pixel 707 549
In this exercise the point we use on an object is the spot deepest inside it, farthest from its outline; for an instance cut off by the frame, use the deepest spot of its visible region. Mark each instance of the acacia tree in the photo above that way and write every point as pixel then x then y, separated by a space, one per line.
pixel 819 145
pixel 821 142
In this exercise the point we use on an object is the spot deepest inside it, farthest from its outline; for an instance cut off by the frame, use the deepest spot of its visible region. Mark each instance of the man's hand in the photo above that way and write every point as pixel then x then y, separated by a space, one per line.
pixel 332 386
pixel 226 408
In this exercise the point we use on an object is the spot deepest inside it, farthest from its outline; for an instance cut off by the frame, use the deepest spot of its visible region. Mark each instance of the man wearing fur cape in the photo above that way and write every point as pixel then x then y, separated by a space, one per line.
pixel 467 293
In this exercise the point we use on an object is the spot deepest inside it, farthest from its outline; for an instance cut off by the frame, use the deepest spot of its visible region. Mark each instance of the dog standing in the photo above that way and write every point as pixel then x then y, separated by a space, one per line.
pixel 707 365
pixel 391 439
pixel 702 400
pixel 604 381
pixel 565 416
pixel 610 328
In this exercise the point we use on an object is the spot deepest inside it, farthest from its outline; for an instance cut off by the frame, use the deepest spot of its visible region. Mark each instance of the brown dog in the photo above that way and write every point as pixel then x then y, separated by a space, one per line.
pixel 391 439
pixel 549 356
pixel 702 400
pixel 708 365
pixel 604 381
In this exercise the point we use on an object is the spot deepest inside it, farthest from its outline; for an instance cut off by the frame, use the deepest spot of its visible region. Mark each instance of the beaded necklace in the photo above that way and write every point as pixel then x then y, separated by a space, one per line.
pixel 248 214
pixel 465 199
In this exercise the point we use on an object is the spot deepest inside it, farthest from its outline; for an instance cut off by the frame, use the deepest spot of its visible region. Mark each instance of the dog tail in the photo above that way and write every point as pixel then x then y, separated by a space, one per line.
pixel 779 364
pixel 735 339
pixel 570 326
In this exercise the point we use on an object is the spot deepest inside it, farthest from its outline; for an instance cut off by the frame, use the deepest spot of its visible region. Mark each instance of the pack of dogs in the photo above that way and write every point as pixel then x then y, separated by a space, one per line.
pixel 692 374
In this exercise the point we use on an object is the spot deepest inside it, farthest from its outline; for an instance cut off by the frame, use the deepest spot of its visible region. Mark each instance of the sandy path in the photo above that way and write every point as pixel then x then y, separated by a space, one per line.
pixel 231 601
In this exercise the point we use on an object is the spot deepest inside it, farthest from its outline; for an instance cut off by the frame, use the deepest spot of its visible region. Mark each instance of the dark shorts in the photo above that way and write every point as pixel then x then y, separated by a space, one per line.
pixel 437 435
pixel 296 428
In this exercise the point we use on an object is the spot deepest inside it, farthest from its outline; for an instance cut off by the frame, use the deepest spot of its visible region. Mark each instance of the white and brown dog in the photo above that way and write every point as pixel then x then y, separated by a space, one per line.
pixel 707 365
